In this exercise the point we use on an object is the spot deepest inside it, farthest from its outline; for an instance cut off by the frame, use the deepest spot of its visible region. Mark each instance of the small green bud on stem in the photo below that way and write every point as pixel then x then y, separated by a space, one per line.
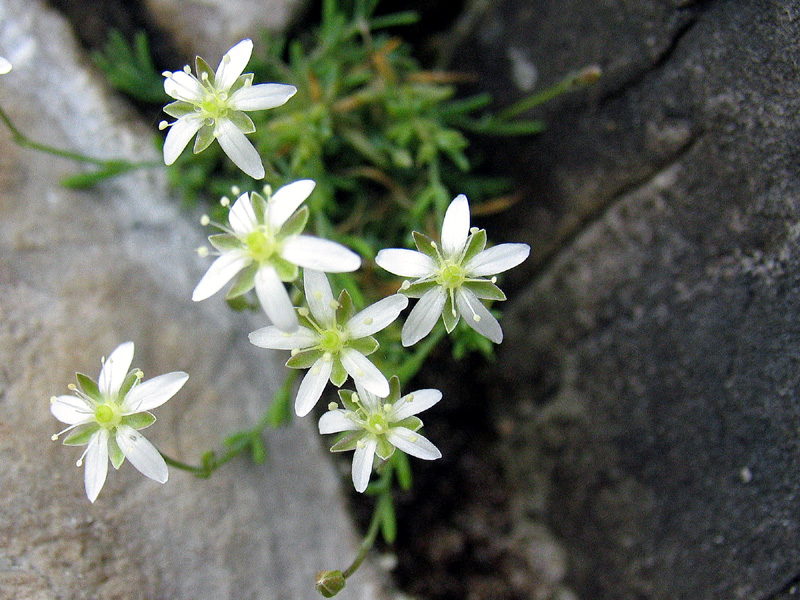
pixel 330 583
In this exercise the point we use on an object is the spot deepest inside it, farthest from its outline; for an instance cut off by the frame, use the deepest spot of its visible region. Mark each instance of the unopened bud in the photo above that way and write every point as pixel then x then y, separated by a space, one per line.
pixel 330 583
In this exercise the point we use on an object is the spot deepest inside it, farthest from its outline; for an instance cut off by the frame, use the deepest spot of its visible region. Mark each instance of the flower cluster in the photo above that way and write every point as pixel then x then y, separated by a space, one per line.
pixel 107 415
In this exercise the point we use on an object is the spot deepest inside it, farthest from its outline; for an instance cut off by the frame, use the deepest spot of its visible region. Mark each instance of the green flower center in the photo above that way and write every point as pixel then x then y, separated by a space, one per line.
pixel 215 105
pixel 332 341
pixel 107 416
pixel 377 424
pixel 260 245
pixel 451 276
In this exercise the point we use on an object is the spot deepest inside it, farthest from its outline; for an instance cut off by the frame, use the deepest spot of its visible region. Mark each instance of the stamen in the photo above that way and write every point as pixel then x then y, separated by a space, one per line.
pixel 202 251
pixel 405 285
pixel 302 311
pixel 79 462
pixel 187 70
pixel 333 304
pixel 225 201
pixel 410 398
pixel 333 406
pixel 235 190
pixel 205 220
pixel 163 125
pixel 295 351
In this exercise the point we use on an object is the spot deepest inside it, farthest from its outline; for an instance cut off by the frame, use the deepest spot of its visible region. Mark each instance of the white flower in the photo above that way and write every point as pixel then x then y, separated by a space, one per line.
pixel 5 66
pixel 379 426
pixel 212 106
pixel 451 280
pixel 332 342
pixel 107 415
pixel 264 247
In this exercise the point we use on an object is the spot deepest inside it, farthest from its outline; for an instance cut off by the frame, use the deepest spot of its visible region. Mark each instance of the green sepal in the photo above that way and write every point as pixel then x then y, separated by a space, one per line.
pixel 413 423
pixel 338 373
pixel 346 309
pixel 304 360
pixel 346 396
pixel 366 345
pixel 450 316
pixel 475 245
pixel 384 449
pixel 115 453
pixel 89 386
pixel 205 135
pixel 179 109
pixel 348 441
pixel 139 420
pixel 244 282
pixel 426 245
pixel 259 206
pixel 224 242
pixel 485 290
pixel 287 271
pixel 295 224
pixel 241 81
pixel 81 435
pixel 201 66
pixel 394 389
pixel 242 121
pixel 417 290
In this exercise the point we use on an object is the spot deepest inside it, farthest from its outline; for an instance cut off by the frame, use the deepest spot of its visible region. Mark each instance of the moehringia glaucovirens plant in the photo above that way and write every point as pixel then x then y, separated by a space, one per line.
pixel 212 105
pixel 332 342
pixel 263 246
pixel 451 279
pixel 107 415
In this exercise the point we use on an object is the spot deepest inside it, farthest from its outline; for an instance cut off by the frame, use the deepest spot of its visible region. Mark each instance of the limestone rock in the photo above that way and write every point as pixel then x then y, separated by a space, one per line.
pixel 650 404
pixel 82 271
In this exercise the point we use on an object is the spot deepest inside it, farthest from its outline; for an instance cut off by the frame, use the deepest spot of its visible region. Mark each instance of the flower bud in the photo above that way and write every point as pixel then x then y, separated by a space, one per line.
pixel 330 583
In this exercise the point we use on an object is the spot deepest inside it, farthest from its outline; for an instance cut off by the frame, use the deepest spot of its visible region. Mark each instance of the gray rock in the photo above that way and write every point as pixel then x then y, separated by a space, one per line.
pixel 81 272
pixel 209 27
pixel 650 403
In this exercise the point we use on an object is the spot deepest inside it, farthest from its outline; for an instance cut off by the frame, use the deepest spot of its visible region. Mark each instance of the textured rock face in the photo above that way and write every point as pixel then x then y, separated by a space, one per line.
pixel 81 272
pixel 651 409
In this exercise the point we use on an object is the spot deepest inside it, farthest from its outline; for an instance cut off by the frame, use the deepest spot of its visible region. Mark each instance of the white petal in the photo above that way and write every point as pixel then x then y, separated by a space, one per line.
pixel 182 86
pixel 179 134
pixel 497 259
pixel 312 385
pixel 272 337
pixel 364 372
pixel 221 271
pixel 413 443
pixel 142 454
pixel 424 316
pixel 288 199
pixel 71 410
pixel 275 299
pixel 96 464
pixel 262 96
pixel 5 66
pixel 420 400
pixel 478 316
pixel 239 149
pixel 406 263
pixel 319 297
pixel 455 227
pixel 336 421
pixel 153 392
pixel 242 217
pixel 115 368
pixel 362 463
pixel 369 401
pixel 315 253
pixel 232 64
pixel 376 316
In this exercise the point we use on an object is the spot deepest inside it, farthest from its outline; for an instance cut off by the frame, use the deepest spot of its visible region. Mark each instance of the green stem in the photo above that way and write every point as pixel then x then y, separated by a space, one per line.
pixel 369 539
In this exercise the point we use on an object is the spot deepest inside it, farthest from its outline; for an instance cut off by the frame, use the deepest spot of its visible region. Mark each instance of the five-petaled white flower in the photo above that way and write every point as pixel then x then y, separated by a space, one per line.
pixel 5 66
pixel 212 106
pixel 107 415
pixel 378 426
pixel 451 280
pixel 331 341
pixel 264 247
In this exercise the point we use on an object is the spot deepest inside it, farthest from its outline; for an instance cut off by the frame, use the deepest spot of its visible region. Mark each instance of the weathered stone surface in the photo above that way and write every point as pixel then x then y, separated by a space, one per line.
pixel 81 272
pixel 209 27
pixel 650 410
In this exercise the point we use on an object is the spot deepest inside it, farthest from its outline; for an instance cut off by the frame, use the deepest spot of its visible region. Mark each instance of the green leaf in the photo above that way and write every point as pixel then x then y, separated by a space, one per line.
pixel 385 506
pixel 402 468
pixel 89 387
pixel 258 450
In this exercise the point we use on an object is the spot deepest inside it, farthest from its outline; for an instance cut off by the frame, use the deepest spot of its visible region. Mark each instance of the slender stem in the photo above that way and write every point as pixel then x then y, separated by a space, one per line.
pixel 21 139
pixel 369 539
pixel 199 471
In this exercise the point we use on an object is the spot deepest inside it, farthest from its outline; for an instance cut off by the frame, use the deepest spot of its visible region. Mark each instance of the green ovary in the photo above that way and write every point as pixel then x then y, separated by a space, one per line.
pixel 377 424
pixel 451 276
pixel 260 245
pixel 106 416
pixel 332 341
pixel 215 106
